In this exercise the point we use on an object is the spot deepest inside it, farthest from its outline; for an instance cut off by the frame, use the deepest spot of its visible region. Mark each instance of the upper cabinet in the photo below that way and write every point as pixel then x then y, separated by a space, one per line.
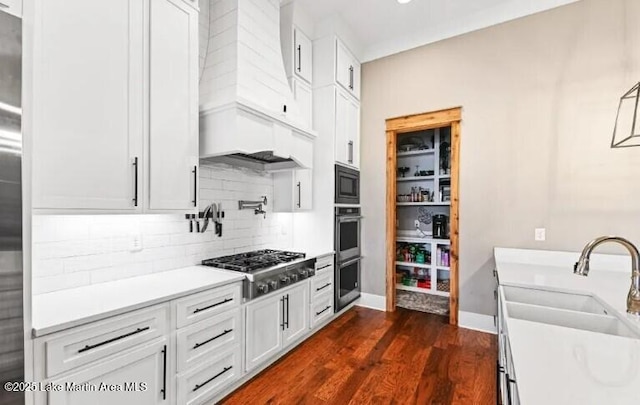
pixel 347 132
pixel 12 7
pixel 303 51
pixel 114 104
pixel 347 70
pixel 173 108
pixel 88 104
pixel 335 64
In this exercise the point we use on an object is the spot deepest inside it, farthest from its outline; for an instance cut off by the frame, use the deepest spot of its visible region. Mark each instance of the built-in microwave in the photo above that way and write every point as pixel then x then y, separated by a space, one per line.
pixel 347 185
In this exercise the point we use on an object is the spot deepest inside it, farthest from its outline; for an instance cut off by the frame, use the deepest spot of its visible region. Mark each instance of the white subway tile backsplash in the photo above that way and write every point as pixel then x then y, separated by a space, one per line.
pixel 71 251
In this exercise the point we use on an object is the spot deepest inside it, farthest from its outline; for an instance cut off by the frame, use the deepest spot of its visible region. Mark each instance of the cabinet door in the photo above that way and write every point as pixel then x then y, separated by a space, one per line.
pixel 140 374
pixel 296 313
pixel 173 105
pixel 353 133
pixel 343 62
pixel 347 70
pixel 88 75
pixel 263 330
pixel 304 97
pixel 303 52
pixel 303 197
pixel 342 127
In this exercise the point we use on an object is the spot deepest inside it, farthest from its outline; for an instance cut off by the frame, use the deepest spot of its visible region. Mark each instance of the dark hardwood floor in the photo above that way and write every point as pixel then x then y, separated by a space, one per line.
pixel 373 357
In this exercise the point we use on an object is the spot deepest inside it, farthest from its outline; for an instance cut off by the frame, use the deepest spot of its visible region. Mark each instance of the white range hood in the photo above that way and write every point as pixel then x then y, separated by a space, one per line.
pixel 248 115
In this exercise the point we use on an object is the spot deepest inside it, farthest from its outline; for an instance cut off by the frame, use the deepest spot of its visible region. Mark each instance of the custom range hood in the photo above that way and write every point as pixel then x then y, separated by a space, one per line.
pixel 248 115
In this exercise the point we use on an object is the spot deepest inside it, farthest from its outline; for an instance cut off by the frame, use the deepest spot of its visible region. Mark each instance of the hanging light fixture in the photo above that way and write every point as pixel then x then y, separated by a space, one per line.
pixel 626 132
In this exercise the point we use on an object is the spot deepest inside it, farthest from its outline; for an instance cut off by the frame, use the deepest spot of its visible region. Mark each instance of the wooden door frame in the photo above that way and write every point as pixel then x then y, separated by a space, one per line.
pixel 411 123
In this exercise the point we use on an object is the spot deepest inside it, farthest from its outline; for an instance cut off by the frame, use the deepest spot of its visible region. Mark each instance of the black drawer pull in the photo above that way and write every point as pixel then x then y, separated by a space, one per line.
pixel 323 267
pixel 224 370
pixel 195 311
pixel 226 331
pixel 106 342
pixel 324 310
pixel 323 287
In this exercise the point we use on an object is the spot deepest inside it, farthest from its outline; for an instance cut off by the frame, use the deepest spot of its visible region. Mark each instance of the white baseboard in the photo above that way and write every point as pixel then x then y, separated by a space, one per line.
pixel 372 301
pixel 474 321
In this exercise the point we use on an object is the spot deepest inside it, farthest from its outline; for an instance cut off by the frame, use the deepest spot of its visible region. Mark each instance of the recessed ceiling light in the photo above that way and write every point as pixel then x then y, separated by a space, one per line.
pixel 403 1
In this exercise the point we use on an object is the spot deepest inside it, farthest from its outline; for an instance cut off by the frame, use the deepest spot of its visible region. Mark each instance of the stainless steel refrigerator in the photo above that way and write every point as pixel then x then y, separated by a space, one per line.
pixel 11 284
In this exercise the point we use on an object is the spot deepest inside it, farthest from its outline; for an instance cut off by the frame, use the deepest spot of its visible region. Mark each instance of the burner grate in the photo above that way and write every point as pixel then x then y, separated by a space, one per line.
pixel 252 261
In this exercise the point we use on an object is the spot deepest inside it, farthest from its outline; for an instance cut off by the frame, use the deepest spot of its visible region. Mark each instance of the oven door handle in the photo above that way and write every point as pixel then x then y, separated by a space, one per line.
pixel 349 262
pixel 349 218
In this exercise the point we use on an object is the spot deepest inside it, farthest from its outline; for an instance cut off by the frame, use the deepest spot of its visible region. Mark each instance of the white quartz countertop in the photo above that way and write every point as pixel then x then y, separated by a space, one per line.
pixel 560 365
pixel 56 311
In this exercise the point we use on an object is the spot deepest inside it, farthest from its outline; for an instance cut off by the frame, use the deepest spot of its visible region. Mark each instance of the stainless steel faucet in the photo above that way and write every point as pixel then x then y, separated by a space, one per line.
pixel 582 268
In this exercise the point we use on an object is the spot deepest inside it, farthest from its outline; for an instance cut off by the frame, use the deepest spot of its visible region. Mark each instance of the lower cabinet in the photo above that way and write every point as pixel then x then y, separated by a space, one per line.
pixel 136 378
pixel 275 322
pixel 201 383
pixel 507 394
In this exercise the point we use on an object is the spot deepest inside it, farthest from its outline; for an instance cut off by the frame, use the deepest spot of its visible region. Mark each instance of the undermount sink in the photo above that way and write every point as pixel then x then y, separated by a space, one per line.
pixel 554 299
pixel 576 311
pixel 571 319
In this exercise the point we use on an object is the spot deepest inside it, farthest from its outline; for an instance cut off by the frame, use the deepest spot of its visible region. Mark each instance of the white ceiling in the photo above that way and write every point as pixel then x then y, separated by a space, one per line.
pixel 385 27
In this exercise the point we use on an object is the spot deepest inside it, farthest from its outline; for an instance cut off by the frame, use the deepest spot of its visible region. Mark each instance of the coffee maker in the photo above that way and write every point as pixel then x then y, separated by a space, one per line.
pixel 440 226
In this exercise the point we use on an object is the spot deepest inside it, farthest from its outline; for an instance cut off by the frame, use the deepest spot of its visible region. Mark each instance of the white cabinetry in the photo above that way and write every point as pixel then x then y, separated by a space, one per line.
pixel 173 108
pixel 304 97
pixel 297 316
pixel 93 119
pixel 303 55
pixel 12 7
pixel 505 372
pixel 322 292
pixel 264 330
pixel 347 69
pixel 347 134
pixel 88 115
pixel 141 374
pixel 275 322
pixel 293 191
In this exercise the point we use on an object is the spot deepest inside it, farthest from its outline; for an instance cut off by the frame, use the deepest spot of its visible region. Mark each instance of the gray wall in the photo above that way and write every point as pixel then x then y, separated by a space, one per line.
pixel 539 98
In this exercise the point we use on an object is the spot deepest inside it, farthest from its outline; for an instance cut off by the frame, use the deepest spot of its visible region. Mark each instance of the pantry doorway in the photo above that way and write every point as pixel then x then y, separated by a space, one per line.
pixel 423 158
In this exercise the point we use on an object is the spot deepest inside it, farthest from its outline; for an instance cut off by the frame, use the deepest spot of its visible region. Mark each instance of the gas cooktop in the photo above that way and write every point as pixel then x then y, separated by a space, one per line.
pixel 252 261
pixel 266 270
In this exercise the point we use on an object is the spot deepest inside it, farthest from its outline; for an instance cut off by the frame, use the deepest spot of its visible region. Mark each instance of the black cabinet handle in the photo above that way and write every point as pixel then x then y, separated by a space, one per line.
pixel 135 181
pixel 287 318
pixel 323 267
pixel 508 390
pixel 195 311
pixel 351 77
pixel 106 342
pixel 195 186
pixel 299 195
pixel 226 331
pixel 324 310
pixel 350 151
pixel 224 370
pixel 323 287
pixel 282 308
pixel 164 373
pixel 299 58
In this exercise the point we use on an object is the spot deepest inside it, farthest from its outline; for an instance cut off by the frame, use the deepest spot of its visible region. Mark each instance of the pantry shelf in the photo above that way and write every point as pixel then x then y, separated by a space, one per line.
pixel 413 264
pixel 421 290
pixel 422 240
pixel 416 178
pixel 414 204
pixel 416 153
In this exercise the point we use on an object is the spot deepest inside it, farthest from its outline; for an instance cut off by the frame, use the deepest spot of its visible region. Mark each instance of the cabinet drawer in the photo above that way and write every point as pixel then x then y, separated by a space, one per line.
pixel 202 340
pixel 79 346
pixel 201 383
pixel 206 304
pixel 321 284
pixel 321 309
pixel 324 263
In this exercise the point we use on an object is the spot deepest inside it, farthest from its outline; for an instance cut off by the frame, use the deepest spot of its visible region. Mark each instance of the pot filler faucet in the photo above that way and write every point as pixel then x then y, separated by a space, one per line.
pixel 582 268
